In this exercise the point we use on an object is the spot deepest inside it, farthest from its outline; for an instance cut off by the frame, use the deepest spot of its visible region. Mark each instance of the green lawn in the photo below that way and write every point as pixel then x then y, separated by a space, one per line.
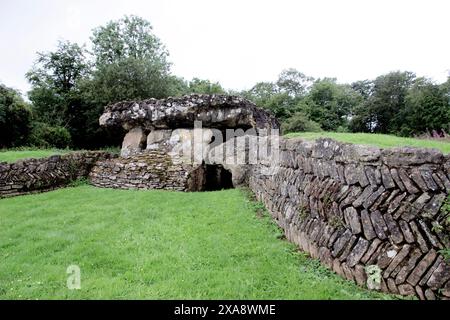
pixel 152 245
pixel 14 155
pixel 380 140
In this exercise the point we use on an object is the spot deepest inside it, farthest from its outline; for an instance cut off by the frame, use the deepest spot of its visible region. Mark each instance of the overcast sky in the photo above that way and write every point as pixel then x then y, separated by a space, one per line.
pixel 239 42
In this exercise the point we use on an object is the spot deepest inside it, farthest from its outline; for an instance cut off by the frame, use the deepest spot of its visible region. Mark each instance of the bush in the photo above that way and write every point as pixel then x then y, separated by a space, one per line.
pixel 15 117
pixel 46 136
pixel 300 122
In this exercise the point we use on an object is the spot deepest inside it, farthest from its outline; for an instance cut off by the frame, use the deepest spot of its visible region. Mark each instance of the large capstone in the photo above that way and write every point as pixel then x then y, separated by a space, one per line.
pixel 215 111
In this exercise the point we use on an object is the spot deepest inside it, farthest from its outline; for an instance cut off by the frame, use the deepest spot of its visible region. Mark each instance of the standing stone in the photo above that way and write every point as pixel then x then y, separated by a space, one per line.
pixel 133 141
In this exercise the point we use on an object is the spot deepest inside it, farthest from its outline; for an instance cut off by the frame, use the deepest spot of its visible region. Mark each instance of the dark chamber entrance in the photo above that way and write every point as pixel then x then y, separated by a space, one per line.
pixel 210 177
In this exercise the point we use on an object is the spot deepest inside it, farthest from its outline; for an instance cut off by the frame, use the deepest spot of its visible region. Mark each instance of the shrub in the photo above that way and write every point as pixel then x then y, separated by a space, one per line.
pixel 46 136
pixel 15 117
pixel 300 122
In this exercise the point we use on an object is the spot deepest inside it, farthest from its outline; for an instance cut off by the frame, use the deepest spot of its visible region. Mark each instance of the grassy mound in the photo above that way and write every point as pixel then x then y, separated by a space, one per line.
pixel 379 140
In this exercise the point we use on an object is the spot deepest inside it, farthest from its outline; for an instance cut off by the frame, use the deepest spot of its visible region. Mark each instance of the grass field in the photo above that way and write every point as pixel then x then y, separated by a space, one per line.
pixel 14 155
pixel 154 244
pixel 379 140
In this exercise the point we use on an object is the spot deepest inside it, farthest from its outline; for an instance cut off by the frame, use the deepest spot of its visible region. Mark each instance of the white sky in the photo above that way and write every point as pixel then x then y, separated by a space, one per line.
pixel 239 42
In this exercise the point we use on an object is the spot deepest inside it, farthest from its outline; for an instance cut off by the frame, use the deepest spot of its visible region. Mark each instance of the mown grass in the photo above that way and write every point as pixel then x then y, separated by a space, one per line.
pixel 153 245
pixel 18 154
pixel 379 140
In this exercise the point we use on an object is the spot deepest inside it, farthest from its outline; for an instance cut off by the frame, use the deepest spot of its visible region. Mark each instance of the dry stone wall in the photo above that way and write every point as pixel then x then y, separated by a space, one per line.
pixel 35 175
pixel 373 216
pixel 154 169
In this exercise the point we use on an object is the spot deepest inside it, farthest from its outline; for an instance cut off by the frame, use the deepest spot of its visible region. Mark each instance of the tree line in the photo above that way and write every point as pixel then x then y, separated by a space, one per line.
pixel 126 61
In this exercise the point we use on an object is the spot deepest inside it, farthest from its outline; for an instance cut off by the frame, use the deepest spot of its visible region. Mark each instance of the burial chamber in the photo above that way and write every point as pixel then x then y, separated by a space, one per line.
pixel 189 143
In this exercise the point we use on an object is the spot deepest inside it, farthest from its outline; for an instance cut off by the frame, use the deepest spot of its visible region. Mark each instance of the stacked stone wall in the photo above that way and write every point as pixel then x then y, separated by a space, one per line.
pixel 36 175
pixel 373 216
pixel 152 169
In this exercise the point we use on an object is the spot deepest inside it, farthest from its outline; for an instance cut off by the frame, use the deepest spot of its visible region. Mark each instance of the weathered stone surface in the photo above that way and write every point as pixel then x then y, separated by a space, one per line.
pixel 396 203
pixel 392 286
pixel 429 295
pixel 357 252
pixel 387 256
pixel 407 233
pixel 355 174
pixel 133 142
pixel 418 179
pixel 374 245
pixel 431 209
pixel 406 289
pixel 430 271
pixel 364 196
pixel 429 235
pixel 215 111
pixel 394 231
pixel 405 156
pixel 404 271
pixel 398 181
pixel 397 260
pixel 341 242
pixel 347 272
pixel 348 247
pixel 373 197
pixel 422 267
pixel 379 225
pixel 440 276
pixel 427 176
pixel 407 182
pixel 360 275
pixel 351 216
pixel 418 236
pixel 369 232
pixel 387 179
pixel 351 153
pixel 157 138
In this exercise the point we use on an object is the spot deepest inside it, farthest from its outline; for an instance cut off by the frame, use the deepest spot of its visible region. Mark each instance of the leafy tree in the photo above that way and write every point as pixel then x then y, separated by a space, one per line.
pixel 131 62
pixel 387 103
pixel 129 37
pixel 330 104
pixel 204 86
pixel 426 108
pixel 15 118
pixel 363 87
pixel 282 105
pixel 53 79
pixel 46 136
pixel 300 122
pixel 261 92
pixel 293 82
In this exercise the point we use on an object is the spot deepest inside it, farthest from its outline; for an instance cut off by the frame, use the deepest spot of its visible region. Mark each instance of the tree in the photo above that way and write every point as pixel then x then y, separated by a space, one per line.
pixel 261 92
pixel 426 108
pixel 130 62
pixel 129 37
pixel 197 85
pixel 387 103
pixel 15 118
pixel 53 79
pixel 330 104
pixel 300 122
pixel 363 87
pixel 294 83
